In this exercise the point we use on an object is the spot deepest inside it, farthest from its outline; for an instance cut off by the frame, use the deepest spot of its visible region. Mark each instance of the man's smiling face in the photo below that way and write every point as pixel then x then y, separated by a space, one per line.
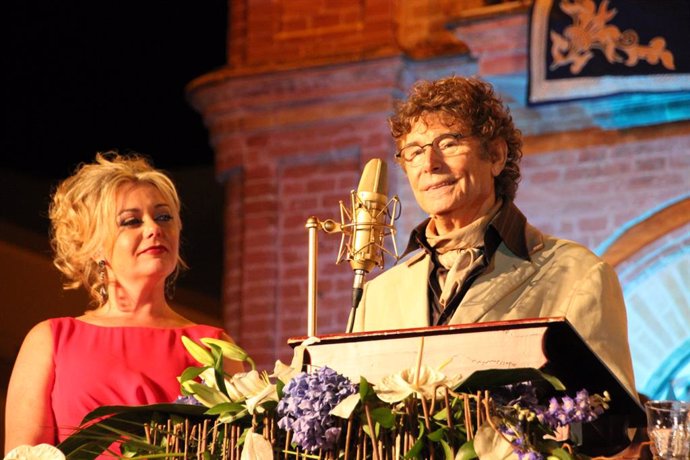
pixel 453 190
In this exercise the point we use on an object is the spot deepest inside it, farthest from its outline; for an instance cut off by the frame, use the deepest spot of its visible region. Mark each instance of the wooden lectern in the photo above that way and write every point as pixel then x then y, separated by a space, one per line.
pixel 549 344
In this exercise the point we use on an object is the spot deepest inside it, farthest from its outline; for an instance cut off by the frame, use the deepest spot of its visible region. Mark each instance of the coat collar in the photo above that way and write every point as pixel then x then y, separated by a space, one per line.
pixel 512 262
pixel 509 224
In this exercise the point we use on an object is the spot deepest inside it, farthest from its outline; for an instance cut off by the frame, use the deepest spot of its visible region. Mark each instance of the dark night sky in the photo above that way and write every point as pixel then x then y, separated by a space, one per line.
pixel 86 76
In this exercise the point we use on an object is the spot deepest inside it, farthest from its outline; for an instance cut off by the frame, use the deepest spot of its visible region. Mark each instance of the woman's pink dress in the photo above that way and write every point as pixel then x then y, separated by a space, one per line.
pixel 106 366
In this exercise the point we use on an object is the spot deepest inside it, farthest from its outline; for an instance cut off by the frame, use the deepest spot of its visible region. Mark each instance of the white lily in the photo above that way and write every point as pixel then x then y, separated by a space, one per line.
pixel 269 393
pixel 490 445
pixel 38 452
pixel 283 372
pixel 256 447
pixel 206 395
pixel 252 387
pixel 396 387
pixel 209 378
pixel 345 407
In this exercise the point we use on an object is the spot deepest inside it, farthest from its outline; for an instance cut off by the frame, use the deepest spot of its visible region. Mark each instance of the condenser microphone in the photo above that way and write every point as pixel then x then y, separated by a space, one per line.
pixel 368 224
pixel 369 217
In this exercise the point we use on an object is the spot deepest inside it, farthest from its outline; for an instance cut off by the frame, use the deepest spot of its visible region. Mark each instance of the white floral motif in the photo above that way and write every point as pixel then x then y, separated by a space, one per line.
pixel 396 387
pixel 38 452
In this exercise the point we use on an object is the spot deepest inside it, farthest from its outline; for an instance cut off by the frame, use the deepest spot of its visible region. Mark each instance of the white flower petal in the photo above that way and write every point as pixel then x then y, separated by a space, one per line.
pixel 490 445
pixel 209 378
pixel 396 387
pixel 248 383
pixel 346 406
pixel 39 452
pixel 207 396
pixel 269 393
pixel 283 372
pixel 256 447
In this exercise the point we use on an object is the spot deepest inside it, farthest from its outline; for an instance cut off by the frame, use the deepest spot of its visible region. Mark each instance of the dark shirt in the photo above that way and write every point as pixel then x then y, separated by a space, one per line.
pixel 508 226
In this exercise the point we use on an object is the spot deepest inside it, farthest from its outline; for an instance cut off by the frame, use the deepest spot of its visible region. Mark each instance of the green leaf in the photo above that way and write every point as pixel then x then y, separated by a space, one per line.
pixel 560 454
pixel 367 430
pixel 416 449
pixel 217 357
pixel 191 373
pixel 447 451
pixel 220 379
pixel 132 412
pixel 225 407
pixel 384 416
pixel 466 451
pixel 437 435
pixel 441 415
pixel 364 389
pixel 485 379
pixel 554 381
pixel 110 423
pixel 279 388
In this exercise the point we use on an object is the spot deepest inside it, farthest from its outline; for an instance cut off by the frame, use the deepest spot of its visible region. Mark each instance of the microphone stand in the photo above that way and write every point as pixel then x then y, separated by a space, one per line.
pixel 357 291
pixel 313 225
pixel 312 274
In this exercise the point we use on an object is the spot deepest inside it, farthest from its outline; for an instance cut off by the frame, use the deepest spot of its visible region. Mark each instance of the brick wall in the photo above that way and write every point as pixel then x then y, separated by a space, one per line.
pixel 268 34
pixel 291 145
pixel 586 194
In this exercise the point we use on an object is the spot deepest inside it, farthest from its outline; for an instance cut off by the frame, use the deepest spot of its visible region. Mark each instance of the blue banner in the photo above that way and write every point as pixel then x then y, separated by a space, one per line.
pixel 591 48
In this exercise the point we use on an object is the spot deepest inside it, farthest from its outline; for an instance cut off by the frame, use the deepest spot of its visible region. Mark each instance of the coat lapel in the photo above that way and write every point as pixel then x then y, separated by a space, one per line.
pixel 506 273
pixel 413 292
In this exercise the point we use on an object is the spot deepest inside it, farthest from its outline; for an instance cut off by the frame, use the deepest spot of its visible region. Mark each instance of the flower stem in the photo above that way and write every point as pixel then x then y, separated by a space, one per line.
pixel 374 442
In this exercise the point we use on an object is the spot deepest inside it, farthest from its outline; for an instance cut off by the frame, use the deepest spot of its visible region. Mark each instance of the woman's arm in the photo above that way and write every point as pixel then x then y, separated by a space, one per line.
pixel 28 412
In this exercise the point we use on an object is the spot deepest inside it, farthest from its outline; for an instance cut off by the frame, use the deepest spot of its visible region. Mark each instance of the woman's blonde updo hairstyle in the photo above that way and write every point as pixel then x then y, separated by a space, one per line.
pixel 83 216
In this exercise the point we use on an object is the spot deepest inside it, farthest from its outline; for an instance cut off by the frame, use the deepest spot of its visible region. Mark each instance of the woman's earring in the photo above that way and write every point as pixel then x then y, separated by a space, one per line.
pixel 101 275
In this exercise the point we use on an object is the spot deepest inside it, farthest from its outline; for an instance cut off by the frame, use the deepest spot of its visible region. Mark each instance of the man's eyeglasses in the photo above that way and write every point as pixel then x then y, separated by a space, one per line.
pixel 446 145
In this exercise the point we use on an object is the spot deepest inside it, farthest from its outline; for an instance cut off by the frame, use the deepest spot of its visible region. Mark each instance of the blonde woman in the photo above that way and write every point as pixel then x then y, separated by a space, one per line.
pixel 116 232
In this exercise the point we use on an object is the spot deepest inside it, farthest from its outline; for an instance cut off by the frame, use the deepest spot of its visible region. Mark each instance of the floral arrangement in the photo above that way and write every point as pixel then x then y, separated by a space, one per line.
pixel 416 413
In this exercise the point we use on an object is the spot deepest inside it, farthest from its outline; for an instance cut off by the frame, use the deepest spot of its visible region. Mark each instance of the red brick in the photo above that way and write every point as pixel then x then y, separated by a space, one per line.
pixel 592 224
pixel 650 164
pixel 541 177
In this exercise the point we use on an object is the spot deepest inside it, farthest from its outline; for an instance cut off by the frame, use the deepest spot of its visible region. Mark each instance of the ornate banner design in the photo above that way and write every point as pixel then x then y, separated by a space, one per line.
pixel 590 48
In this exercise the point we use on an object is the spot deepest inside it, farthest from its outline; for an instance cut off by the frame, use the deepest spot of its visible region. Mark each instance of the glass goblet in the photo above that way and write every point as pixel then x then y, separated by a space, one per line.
pixel 668 426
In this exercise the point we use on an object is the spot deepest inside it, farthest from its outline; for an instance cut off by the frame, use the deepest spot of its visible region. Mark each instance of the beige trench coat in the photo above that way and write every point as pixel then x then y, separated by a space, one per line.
pixel 562 279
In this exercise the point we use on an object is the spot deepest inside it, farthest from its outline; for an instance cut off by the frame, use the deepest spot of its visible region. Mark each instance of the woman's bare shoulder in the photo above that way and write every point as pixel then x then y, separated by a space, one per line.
pixel 39 335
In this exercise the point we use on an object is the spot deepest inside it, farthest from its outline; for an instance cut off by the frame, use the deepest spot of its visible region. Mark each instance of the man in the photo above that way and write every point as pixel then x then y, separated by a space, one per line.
pixel 477 258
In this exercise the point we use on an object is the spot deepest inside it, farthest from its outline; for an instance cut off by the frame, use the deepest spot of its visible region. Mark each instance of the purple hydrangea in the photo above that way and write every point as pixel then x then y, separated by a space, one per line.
pixel 189 400
pixel 306 405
